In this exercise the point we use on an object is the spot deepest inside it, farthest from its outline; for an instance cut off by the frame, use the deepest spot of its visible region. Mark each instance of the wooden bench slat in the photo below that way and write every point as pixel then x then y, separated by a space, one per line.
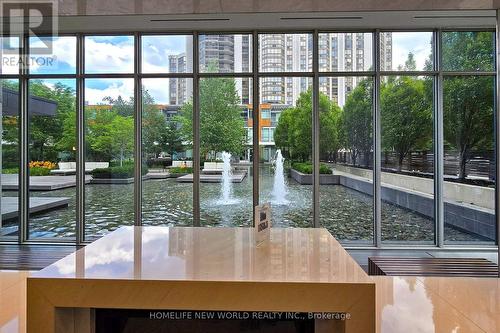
pixel 425 266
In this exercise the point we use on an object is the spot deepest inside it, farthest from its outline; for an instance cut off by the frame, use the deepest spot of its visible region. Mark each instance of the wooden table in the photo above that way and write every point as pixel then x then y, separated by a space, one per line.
pixel 217 269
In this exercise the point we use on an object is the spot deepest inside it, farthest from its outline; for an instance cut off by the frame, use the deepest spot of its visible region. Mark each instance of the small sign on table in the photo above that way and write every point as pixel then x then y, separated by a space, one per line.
pixel 262 223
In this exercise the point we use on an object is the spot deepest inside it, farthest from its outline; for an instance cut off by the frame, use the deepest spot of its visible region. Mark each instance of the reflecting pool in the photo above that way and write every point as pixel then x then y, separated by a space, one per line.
pixel 346 213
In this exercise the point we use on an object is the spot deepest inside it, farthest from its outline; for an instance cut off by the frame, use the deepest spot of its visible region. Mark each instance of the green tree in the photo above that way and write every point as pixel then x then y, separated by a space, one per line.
pixel 121 106
pixel 357 122
pixel 221 124
pixel 293 133
pixel 67 141
pixel 121 132
pixel 283 133
pixel 99 144
pixel 468 101
pixel 171 139
pixel 406 113
pixel 46 131
pixel 153 126
pixel 468 116
pixel 10 123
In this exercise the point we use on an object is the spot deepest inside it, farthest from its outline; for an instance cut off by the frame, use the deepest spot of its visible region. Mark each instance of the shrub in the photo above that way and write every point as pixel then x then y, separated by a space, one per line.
pixel 116 172
pixel 159 162
pixel 177 170
pixel 125 163
pixel 10 171
pixel 307 168
pixel 39 171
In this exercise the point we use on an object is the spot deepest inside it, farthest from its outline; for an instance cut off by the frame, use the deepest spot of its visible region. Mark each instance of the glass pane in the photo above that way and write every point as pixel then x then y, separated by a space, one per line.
pixel 468 51
pixel 285 146
pixel 406 51
pixel 9 52
pixel 346 155
pixel 109 155
pixel 52 156
pixel 285 52
pixel 167 189
pixel 225 53
pixel 339 52
pixel 9 95
pixel 469 161
pixel 62 59
pixel 109 54
pixel 226 174
pixel 167 54
pixel 407 159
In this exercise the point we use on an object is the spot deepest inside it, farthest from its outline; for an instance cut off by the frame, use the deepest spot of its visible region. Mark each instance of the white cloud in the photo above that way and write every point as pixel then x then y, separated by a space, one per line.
pixel 104 56
pixel 63 52
pixel 158 89
pixel 115 88
pixel 157 49
pixel 418 43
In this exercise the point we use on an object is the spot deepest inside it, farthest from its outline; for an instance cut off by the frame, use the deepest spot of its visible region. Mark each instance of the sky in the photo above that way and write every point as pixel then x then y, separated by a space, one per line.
pixel 418 43
pixel 115 54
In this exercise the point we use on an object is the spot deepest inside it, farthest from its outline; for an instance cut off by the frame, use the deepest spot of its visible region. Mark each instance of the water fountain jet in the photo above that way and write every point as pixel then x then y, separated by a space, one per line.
pixel 280 189
pixel 227 181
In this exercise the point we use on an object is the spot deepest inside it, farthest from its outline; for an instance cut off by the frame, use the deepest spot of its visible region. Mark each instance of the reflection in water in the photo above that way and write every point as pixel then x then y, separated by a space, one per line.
pixel 346 213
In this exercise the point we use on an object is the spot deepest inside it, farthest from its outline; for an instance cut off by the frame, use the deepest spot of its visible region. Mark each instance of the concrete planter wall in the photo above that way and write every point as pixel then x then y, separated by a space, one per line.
pixel 477 195
pixel 470 218
pixel 306 179
pixel 466 217
pixel 177 175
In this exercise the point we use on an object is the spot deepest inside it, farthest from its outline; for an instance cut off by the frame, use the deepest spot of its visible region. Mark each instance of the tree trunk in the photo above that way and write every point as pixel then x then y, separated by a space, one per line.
pixel 401 157
pixel 367 159
pixel 121 157
pixel 462 162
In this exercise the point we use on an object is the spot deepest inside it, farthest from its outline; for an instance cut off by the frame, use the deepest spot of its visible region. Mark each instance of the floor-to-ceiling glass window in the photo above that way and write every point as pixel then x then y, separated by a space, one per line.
pixel 468 123
pixel 167 131
pixel 285 127
pixel 346 136
pixel 9 93
pixel 9 108
pixel 225 173
pixel 346 157
pixel 225 121
pixel 109 134
pixel 167 152
pixel 406 116
pixel 52 139
pixel 347 74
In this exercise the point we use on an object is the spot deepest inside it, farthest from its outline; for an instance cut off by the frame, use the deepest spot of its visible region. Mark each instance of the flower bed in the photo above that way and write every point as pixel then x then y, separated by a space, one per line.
pixel 41 168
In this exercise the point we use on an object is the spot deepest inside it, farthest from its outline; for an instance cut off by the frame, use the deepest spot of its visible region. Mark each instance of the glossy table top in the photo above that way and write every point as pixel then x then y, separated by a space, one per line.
pixel 211 254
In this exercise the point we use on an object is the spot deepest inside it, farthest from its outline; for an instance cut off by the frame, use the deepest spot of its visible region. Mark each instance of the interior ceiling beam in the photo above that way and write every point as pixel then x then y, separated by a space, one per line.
pixel 126 7
pixel 285 21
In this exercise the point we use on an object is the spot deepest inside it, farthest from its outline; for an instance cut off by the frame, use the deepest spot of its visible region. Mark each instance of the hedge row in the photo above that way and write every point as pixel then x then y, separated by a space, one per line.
pixel 116 172
pixel 307 168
